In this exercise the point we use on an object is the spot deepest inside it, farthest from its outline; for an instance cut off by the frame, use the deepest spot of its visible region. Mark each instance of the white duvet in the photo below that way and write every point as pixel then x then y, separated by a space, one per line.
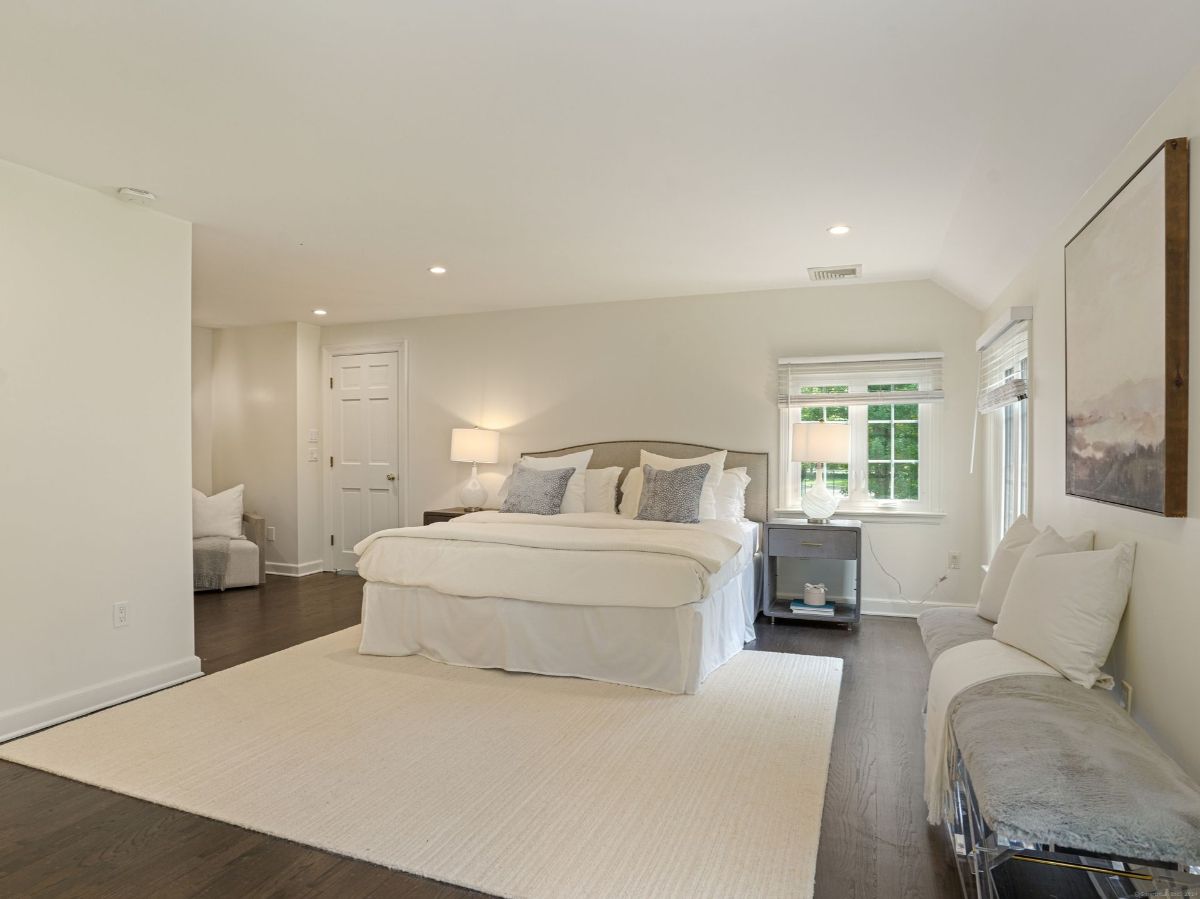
pixel 592 559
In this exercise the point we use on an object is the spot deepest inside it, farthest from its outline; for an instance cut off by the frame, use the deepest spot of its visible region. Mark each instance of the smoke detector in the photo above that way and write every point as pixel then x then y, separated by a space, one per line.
pixel 136 195
pixel 835 272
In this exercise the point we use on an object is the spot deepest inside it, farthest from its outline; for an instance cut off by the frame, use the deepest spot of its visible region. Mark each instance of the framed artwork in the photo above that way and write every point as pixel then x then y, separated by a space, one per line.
pixel 1127 342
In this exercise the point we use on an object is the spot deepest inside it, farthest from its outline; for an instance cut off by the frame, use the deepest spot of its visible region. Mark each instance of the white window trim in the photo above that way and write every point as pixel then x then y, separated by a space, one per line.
pixel 859 504
pixel 1016 329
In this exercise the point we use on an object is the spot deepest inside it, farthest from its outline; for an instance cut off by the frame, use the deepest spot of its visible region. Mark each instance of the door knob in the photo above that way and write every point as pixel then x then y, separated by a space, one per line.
pixel 391 477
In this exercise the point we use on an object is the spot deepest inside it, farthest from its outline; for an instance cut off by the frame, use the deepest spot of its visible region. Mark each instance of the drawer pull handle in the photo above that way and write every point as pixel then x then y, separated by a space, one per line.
pixel 810 543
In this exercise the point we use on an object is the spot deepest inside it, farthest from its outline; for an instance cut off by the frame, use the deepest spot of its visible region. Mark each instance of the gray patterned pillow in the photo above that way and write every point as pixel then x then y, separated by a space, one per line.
pixel 672 495
pixel 537 491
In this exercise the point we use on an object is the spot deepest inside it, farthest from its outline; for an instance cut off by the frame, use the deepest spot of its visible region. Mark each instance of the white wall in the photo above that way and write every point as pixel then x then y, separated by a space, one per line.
pixel 1156 651
pixel 95 307
pixel 311 532
pixel 695 369
pixel 254 426
pixel 202 344
pixel 265 398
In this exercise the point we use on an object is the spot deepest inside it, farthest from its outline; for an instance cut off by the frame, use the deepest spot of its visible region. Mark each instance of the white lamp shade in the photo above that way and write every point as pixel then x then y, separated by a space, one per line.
pixel 820 441
pixel 474 445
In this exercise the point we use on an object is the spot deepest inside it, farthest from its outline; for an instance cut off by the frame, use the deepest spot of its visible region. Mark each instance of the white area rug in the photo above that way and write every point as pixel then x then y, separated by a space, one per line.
pixel 512 784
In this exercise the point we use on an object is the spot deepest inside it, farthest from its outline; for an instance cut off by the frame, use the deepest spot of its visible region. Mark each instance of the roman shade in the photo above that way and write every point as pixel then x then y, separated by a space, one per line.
pixel 1004 369
pixel 806 381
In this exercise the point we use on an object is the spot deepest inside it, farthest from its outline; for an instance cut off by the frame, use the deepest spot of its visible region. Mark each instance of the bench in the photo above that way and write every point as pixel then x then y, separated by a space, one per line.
pixel 1048 772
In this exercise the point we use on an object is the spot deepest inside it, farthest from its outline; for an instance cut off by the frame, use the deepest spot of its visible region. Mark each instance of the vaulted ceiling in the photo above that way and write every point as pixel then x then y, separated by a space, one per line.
pixel 551 152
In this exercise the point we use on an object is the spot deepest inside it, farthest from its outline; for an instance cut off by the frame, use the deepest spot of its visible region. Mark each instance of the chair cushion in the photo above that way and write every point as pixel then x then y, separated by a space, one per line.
pixel 1053 762
pixel 945 628
pixel 242 570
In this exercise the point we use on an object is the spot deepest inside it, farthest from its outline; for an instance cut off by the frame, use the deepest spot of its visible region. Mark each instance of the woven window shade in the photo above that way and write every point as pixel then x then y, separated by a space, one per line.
pixel 800 380
pixel 1004 369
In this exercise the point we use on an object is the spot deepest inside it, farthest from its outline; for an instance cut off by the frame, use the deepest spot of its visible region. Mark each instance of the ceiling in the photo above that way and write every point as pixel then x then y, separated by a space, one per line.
pixel 552 152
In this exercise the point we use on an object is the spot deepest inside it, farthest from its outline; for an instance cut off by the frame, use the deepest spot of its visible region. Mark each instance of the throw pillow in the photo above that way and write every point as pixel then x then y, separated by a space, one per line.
pixel 731 494
pixel 1000 570
pixel 575 499
pixel 537 491
pixel 1008 554
pixel 219 515
pixel 1064 607
pixel 716 467
pixel 672 495
pixel 601 486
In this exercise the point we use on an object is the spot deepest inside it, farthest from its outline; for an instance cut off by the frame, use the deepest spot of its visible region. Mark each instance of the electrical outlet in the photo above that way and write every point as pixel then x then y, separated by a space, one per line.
pixel 120 614
pixel 1127 696
pixel 270 533
pixel 955 561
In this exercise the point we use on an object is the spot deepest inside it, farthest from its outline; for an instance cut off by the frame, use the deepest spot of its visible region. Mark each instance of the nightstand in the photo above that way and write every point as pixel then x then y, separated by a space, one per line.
pixel 830 553
pixel 436 515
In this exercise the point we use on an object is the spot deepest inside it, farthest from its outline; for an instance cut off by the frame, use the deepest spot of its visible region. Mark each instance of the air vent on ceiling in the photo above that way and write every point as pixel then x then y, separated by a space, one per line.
pixel 835 272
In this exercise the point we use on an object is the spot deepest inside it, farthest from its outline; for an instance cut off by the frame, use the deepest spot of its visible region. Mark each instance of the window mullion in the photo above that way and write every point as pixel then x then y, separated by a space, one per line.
pixel 858 454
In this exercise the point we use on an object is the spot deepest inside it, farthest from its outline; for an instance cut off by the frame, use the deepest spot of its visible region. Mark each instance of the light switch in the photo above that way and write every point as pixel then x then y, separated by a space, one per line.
pixel 314 436
pixel 312 454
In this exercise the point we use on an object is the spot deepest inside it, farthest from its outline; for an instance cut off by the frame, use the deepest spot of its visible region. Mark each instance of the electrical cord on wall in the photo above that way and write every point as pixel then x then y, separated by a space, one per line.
pixel 899 586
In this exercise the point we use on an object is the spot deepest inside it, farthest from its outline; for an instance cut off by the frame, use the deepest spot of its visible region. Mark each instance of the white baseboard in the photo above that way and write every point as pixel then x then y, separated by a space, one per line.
pixel 899 608
pixel 38 715
pixel 292 569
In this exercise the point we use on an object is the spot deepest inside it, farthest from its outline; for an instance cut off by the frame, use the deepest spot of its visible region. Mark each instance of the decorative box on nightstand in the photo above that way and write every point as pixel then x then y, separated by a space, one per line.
pixel 813 552
pixel 436 515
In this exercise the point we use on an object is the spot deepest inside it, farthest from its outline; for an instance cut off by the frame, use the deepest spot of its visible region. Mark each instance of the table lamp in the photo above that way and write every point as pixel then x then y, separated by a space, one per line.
pixel 474 445
pixel 820 442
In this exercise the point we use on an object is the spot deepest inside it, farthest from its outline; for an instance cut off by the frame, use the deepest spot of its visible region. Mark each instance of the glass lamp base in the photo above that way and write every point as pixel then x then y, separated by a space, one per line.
pixel 818 504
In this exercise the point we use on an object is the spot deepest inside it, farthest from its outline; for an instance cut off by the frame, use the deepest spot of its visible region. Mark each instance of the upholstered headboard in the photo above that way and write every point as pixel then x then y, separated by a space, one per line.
pixel 627 454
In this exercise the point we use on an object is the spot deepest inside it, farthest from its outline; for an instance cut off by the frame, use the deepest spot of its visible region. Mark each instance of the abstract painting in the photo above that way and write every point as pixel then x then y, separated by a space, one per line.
pixel 1127 342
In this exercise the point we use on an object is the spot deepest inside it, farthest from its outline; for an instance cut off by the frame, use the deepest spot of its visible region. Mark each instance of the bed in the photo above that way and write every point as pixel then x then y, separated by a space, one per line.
pixel 593 595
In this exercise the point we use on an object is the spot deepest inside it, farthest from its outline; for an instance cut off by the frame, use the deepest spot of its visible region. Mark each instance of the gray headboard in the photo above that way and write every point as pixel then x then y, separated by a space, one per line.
pixel 627 454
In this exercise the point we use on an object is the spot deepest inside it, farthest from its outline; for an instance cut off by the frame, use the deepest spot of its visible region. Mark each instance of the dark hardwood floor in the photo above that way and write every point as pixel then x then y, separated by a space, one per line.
pixel 63 839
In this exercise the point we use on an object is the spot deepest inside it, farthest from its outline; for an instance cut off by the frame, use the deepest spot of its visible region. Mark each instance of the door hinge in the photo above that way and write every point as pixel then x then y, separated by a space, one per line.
pixel 331 461
pixel 331 383
pixel 331 539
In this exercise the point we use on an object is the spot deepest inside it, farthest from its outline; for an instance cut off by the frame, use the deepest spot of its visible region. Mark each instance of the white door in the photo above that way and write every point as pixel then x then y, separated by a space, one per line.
pixel 365 450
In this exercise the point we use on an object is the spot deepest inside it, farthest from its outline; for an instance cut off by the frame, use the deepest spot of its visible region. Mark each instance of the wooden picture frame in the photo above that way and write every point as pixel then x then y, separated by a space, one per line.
pixel 1126 311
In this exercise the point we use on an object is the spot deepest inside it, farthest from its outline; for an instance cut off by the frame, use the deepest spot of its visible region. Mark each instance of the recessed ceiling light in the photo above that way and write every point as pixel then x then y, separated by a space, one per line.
pixel 320 312
pixel 437 270
pixel 838 230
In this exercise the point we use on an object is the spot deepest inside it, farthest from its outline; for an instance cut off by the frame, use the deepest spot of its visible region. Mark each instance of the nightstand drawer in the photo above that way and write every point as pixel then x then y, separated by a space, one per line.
pixel 812 543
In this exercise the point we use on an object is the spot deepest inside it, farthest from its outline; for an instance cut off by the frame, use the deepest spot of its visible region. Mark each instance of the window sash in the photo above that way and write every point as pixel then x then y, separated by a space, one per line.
pixel 859 499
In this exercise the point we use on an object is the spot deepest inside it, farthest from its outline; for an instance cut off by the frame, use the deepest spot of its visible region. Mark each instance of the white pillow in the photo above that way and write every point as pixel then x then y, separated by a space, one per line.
pixel 1008 554
pixel 708 495
pixel 1065 607
pixel 601 489
pixel 219 515
pixel 1004 562
pixel 631 492
pixel 575 499
pixel 731 494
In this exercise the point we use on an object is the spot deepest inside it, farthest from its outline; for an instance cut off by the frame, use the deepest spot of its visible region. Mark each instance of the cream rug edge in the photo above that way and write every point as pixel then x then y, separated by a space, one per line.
pixel 518 785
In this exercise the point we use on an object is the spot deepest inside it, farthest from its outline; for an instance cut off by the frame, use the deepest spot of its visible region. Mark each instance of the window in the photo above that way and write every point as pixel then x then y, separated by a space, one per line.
pixel 893 446
pixel 890 404
pixel 1004 405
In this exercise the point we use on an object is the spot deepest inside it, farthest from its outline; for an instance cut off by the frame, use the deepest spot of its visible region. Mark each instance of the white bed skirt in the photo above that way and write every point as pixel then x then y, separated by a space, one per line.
pixel 672 649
